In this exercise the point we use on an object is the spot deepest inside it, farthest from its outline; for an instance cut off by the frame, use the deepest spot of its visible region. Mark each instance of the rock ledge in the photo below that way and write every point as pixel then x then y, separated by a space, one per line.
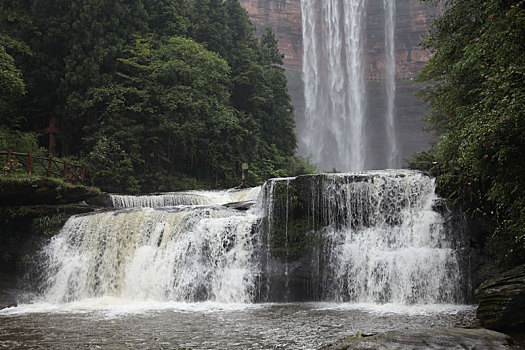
pixel 434 338
pixel 502 300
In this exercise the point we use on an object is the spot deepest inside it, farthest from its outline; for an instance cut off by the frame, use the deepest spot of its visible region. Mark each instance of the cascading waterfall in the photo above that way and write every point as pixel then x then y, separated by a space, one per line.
pixel 178 254
pixel 334 83
pixel 370 237
pixel 386 243
pixel 363 237
pixel 390 83
pixel 185 198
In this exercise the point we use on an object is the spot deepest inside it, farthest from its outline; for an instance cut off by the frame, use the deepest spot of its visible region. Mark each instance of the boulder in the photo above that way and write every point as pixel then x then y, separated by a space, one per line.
pixel 434 338
pixel 7 291
pixel 502 300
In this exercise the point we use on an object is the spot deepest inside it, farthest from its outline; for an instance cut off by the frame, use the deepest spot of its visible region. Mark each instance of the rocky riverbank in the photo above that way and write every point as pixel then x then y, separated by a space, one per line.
pixel 502 301
pixel 501 308
pixel 434 338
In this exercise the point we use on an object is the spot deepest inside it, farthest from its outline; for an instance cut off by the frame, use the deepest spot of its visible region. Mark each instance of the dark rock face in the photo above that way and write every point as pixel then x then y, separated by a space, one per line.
pixel 502 300
pixel 31 211
pixel 23 229
pixel 7 292
pixel 440 338
pixel 245 205
pixel 34 191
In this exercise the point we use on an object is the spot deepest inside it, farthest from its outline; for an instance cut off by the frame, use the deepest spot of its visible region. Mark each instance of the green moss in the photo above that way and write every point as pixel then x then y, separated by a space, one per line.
pixel 293 234
pixel 41 190
pixel 47 225
pixel 294 240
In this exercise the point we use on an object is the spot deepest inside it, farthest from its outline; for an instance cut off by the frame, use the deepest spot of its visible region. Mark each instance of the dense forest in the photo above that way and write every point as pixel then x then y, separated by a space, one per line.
pixel 476 94
pixel 151 95
pixel 156 95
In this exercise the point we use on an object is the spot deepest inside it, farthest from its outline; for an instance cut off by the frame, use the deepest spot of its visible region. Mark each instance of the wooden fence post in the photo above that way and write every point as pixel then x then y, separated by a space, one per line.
pixel 50 160
pixel 29 163
pixel 9 160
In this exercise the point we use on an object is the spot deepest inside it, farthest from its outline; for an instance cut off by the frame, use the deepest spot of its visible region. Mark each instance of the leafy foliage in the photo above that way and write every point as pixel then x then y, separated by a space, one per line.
pixel 477 100
pixel 154 95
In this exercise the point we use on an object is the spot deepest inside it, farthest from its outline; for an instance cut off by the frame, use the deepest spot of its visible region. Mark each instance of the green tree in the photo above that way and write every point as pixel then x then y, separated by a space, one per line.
pixel 11 86
pixel 173 91
pixel 477 100
pixel 170 112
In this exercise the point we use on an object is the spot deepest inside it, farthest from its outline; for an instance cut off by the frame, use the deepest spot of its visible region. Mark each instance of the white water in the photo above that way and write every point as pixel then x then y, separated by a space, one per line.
pixel 390 83
pixel 183 254
pixel 185 198
pixel 382 242
pixel 392 246
pixel 334 75
pixel 334 83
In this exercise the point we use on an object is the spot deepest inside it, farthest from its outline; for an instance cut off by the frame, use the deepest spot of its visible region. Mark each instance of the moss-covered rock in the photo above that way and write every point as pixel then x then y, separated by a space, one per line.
pixel 32 209
pixel 42 190
pixel 502 300
pixel 24 228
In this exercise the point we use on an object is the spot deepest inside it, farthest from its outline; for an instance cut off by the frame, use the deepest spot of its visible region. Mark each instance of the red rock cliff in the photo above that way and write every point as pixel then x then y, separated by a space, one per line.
pixel 413 19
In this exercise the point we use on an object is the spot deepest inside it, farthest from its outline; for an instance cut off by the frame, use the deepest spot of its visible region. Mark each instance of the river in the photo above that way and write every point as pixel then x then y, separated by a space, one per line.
pixel 109 323
pixel 315 259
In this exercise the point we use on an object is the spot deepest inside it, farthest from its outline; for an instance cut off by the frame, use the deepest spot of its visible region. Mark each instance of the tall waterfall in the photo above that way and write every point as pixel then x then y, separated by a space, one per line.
pixel 363 237
pixel 335 133
pixel 334 83
pixel 390 83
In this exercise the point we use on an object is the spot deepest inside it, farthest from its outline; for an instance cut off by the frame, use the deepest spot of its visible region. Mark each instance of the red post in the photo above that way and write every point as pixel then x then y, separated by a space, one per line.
pixel 29 163
pixel 50 162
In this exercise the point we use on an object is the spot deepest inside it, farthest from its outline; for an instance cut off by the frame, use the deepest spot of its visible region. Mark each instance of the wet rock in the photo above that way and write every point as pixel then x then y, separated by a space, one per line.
pixel 42 190
pixel 240 205
pixel 439 338
pixel 101 200
pixel 502 300
pixel 7 291
pixel 8 305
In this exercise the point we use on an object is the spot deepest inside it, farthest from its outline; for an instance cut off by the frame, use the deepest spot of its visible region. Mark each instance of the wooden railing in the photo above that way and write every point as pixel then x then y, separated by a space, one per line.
pixel 48 166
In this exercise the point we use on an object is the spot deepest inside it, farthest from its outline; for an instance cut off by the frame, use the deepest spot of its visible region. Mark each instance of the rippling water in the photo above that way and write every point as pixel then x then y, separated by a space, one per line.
pixel 114 324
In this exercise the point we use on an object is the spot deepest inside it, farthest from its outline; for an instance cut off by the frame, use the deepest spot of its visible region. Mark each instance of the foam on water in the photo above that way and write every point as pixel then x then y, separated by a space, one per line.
pixel 185 198
pixel 112 306
pixel 199 253
pixel 395 308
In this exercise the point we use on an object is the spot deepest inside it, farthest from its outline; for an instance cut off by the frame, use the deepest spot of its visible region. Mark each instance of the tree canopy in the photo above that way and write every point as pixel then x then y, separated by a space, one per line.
pixel 477 106
pixel 152 94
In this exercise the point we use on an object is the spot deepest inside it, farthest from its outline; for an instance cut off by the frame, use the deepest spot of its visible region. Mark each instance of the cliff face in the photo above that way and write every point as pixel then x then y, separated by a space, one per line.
pixel 412 21
pixel 284 16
